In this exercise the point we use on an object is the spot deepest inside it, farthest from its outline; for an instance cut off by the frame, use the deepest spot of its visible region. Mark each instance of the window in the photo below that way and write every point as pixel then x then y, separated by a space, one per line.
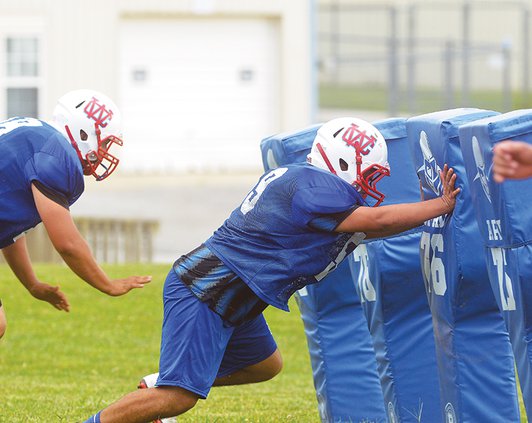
pixel 22 56
pixel 22 102
pixel 21 67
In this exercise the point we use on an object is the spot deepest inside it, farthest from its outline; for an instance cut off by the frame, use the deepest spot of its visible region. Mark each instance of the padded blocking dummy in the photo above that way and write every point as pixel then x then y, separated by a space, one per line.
pixel 341 354
pixel 390 285
pixel 504 216
pixel 473 351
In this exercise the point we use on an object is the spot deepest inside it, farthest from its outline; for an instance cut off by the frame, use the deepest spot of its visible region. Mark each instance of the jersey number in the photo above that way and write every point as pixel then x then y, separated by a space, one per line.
pixel 14 123
pixel 252 198
pixel 499 260
pixel 365 286
pixel 432 263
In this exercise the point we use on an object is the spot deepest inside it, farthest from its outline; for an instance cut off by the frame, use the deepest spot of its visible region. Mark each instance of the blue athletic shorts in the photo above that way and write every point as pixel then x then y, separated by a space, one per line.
pixel 196 346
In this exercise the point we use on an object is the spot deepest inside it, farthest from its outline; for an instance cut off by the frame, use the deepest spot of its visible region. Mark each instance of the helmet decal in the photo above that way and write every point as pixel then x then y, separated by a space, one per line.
pixel 354 137
pixel 481 175
pixel 430 167
pixel 98 112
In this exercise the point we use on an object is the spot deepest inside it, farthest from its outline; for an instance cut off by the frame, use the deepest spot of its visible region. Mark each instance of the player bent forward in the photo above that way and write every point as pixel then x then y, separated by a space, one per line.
pixel 295 226
pixel 41 175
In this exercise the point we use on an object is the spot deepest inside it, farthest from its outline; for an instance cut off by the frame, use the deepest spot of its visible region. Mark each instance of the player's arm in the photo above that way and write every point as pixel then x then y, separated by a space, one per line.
pixel 3 320
pixel 75 251
pixel 18 259
pixel 390 220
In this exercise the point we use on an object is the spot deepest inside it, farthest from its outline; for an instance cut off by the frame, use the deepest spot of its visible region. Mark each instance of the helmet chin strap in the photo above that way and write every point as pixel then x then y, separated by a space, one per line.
pixel 325 158
pixel 84 165
pixel 73 142
pixel 359 167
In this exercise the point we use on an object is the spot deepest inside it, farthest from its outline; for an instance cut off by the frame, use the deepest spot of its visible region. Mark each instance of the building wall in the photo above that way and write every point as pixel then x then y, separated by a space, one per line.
pixel 80 44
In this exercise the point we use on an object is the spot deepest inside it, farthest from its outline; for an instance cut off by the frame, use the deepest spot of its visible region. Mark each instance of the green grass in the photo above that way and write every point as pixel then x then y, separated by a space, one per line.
pixel 63 367
pixel 59 367
pixel 375 97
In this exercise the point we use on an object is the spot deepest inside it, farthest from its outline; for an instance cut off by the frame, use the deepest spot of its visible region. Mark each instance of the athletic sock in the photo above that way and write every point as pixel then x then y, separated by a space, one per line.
pixel 94 419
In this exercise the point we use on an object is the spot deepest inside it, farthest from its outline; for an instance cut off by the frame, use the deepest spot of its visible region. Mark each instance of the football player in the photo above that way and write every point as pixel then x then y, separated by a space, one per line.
pixel 294 227
pixel 41 172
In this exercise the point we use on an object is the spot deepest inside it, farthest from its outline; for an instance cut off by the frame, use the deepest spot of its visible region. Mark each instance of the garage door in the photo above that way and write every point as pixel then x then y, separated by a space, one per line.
pixel 198 93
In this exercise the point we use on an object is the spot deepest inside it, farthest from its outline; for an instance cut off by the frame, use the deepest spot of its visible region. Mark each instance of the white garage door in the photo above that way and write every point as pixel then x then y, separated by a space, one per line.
pixel 198 93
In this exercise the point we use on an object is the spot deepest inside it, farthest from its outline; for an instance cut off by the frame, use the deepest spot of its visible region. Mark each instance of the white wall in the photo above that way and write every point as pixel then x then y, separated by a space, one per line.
pixel 81 44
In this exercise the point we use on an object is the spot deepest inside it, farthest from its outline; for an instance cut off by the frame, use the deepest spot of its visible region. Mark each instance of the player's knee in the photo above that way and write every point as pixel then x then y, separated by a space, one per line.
pixel 273 366
pixel 277 363
pixel 189 402
pixel 178 401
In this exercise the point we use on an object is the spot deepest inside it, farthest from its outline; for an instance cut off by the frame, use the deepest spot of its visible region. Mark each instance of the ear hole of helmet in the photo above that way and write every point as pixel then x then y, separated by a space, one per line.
pixel 343 165
pixel 83 135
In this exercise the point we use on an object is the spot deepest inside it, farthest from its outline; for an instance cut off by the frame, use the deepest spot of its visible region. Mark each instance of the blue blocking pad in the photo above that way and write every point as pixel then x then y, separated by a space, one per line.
pixel 473 350
pixel 390 286
pixel 341 353
pixel 288 147
pixel 504 216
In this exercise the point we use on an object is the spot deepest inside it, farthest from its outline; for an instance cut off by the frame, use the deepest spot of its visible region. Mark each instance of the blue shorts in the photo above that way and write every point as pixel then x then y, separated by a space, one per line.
pixel 196 345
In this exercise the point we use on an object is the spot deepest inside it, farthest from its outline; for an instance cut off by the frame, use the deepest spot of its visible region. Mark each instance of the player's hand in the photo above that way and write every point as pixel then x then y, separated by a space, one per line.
pixel 123 286
pixel 50 294
pixel 448 179
pixel 512 160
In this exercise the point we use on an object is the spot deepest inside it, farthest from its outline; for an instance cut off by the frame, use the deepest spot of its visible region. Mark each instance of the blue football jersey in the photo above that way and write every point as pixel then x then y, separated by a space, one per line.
pixel 282 237
pixel 33 151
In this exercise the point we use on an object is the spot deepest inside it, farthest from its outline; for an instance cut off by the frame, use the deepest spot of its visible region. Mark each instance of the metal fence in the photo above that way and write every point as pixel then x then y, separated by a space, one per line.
pixel 448 47
pixel 111 240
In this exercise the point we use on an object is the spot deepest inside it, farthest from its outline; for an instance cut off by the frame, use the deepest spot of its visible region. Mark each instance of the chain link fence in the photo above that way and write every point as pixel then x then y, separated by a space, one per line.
pixel 412 57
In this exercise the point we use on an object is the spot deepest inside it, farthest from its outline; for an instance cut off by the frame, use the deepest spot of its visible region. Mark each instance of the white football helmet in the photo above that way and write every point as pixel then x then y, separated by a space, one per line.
pixel 354 150
pixel 91 122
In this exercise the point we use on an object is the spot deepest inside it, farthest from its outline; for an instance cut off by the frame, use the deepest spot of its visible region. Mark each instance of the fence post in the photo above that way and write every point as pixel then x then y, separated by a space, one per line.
pixel 448 74
pixel 526 55
pixel 393 64
pixel 466 52
pixel 506 76
pixel 411 59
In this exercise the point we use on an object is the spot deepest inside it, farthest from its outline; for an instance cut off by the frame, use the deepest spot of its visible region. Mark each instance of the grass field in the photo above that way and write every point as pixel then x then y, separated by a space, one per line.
pixel 375 97
pixel 59 367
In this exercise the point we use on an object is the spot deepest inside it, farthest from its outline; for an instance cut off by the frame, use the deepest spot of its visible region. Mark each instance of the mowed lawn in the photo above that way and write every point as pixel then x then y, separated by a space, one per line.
pixel 62 367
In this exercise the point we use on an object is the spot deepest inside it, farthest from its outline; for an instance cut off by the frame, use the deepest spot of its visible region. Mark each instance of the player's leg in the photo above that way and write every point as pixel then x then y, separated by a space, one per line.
pixel 260 372
pixel 193 343
pixel 183 400
pixel 251 355
pixel 146 405
pixel 3 321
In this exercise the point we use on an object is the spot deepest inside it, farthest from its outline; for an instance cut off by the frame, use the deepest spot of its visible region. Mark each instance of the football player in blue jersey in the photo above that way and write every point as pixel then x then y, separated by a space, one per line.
pixel 294 227
pixel 41 172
